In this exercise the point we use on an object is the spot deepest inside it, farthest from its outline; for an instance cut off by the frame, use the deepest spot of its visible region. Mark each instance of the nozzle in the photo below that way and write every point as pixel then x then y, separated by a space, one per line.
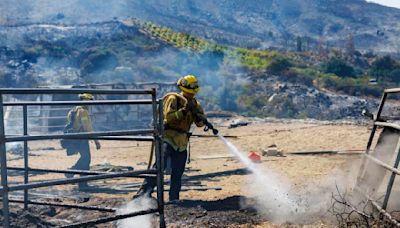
pixel 215 131
pixel 210 126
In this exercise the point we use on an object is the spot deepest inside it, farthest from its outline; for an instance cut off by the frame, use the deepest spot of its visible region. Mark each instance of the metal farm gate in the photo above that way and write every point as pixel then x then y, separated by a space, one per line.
pixel 370 161
pixel 151 134
pixel 53 118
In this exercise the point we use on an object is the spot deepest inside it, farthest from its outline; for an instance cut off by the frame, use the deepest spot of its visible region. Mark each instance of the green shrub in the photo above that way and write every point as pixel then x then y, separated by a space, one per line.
pixel 278 65
pixel 339 67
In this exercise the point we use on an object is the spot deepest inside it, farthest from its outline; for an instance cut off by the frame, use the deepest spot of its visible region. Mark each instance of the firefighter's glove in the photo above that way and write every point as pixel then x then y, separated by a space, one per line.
pixel 210 126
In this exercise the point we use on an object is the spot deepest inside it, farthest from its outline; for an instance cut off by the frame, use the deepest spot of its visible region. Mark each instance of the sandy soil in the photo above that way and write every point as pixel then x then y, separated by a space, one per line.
pixel 212 165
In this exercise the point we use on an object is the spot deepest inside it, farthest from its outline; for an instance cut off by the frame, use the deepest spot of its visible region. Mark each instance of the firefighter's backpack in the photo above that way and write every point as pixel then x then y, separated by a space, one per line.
pixel 70 145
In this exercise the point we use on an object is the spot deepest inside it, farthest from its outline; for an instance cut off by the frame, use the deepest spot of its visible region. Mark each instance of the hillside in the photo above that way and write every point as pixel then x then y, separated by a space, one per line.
pixel 278 23
pixel 246 81
pixel 256 24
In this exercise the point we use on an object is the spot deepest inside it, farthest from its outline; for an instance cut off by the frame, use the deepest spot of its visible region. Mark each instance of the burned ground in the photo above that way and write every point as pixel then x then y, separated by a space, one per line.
pixel 230 212
pixel 217 188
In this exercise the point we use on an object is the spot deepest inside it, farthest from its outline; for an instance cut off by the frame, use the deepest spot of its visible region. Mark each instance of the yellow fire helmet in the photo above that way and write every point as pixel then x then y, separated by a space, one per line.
pixel 189 84
pixel 86 96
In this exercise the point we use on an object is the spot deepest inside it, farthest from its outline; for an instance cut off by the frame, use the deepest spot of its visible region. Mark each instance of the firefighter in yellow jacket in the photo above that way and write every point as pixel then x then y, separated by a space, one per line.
pixel 181 110
pixel 79 117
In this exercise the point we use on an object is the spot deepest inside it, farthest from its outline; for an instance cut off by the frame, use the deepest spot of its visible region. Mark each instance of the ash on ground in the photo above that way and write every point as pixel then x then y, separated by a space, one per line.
pixel 229 212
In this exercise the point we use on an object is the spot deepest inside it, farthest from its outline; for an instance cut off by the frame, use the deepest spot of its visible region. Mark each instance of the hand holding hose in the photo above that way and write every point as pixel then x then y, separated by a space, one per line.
pixel 192 106
pixel 210 126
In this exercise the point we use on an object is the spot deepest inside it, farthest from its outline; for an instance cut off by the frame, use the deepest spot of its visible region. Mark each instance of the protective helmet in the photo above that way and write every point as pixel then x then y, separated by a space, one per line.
pixel 86 96
pixel 189 84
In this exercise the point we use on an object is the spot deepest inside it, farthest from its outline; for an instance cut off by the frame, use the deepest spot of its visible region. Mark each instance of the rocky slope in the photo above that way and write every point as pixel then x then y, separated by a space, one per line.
pixel 294 100
pixel 256 23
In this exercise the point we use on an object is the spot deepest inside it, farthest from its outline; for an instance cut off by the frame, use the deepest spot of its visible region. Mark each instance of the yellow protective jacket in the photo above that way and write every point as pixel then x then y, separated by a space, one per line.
pixel 82 122
pixel 176 123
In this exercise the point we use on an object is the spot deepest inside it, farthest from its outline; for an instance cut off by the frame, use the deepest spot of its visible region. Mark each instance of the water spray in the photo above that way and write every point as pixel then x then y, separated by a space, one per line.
pixel 279 201
pixel 275 193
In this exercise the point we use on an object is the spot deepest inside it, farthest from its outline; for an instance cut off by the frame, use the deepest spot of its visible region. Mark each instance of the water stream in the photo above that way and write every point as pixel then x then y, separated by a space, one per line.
pixel 271 191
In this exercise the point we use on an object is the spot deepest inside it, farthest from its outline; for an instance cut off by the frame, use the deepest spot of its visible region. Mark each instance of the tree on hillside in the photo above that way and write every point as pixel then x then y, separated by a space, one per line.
pixel 279 65
pixel 350 48
pixel 382 67
pixel 299 45
pixel 339 67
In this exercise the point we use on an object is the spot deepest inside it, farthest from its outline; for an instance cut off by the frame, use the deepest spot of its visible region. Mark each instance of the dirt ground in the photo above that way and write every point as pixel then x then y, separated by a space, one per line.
pixel 213 177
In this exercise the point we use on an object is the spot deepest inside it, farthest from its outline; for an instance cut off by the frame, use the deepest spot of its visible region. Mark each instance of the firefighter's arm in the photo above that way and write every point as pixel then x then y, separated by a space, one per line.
pixel 172 113
pixel 201 119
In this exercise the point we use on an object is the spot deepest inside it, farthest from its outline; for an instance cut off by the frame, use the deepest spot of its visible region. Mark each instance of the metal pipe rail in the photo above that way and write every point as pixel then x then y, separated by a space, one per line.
pixel 91 208
pixel 71 171
pixel 394 90
pixel 385 124
pixel 25 91
pixel 92 135
pixel 128 138
pixel 74 180
pixel 98 102
pixel 132 135
pixel 384 165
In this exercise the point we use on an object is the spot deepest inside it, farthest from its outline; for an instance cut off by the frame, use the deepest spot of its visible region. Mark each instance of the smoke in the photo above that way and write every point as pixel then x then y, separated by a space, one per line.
pixel 281 202
pixel 138 204
pixel 73 11
pixel 310 202
pixel 55 43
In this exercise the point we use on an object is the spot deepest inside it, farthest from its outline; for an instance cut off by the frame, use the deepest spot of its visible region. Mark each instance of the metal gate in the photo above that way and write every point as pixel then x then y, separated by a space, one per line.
pixel 382 122
pixel 153 134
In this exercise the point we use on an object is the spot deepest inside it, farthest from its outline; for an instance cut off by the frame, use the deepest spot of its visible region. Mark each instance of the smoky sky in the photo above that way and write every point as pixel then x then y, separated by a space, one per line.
pixel 70 11
pixel 391 3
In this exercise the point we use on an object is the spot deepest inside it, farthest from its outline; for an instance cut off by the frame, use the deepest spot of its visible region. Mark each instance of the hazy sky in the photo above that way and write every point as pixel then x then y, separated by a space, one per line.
pixel 393 3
